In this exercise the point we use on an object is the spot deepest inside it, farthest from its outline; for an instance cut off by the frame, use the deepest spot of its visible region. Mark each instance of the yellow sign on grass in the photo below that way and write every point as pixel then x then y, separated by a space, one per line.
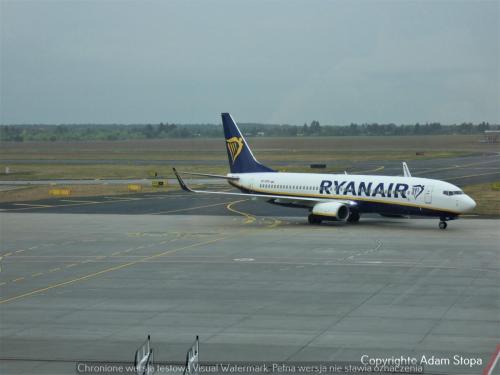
pixel 159 183
pixel 134 187
pixel 60 192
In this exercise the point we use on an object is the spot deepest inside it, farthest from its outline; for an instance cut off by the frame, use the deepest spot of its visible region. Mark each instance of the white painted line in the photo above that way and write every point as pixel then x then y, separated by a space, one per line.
pixel 31 205
pixel 77 201
pixel 123 198
pixel 488 370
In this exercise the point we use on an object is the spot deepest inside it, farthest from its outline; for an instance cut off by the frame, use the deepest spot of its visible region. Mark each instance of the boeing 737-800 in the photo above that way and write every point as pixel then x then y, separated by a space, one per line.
pixel 341 197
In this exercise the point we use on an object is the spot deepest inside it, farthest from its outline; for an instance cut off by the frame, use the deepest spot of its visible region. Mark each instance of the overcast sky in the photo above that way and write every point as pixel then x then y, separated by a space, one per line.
pixel 263 61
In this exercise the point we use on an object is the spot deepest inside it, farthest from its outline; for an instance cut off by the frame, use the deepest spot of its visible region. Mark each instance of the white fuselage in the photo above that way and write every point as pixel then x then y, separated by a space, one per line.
pixel 383 194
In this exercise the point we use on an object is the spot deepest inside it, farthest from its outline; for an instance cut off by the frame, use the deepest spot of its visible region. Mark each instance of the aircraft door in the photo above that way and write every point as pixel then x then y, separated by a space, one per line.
pixel 428 194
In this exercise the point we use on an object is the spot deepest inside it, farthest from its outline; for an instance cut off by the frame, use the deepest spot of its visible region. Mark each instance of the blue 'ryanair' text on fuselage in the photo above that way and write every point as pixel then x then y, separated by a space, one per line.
pixel 363 189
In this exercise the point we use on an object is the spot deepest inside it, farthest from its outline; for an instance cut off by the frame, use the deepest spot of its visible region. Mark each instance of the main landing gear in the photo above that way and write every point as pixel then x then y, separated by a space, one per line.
pixel 353 217
pixel 442 225
pixel 313 219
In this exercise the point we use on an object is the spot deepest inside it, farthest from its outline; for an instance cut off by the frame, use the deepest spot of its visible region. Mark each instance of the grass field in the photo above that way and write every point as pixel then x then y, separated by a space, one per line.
pixel 487 197
pixel 333 148
pixel 107 159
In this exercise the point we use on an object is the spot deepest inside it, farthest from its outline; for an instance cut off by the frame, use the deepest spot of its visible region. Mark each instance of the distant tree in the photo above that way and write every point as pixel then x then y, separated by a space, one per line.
pixel 465 128
pixel 305 129
pixel 483 126
pixel 315 127
pixel 353 129
pixel 149 131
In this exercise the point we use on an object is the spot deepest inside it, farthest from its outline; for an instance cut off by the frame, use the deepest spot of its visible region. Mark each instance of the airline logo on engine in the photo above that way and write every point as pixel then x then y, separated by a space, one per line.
pixel 369 189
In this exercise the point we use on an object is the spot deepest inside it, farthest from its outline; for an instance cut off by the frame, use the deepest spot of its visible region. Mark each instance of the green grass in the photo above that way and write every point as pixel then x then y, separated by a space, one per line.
pixel 487 197
pixel 337 152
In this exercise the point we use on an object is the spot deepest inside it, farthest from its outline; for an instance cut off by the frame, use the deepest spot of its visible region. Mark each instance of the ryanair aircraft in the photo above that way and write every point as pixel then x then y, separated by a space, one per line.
pixel 339 197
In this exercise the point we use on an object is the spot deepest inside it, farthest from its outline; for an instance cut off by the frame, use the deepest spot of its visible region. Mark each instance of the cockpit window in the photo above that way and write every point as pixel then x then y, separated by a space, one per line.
pixel 456 192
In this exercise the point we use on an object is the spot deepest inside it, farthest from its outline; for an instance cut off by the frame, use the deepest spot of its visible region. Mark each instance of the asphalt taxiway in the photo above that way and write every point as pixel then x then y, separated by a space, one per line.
pixel 88 284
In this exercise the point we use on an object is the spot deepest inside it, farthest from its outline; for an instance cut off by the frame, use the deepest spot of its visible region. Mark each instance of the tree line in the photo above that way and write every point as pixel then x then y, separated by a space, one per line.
pixel 92 132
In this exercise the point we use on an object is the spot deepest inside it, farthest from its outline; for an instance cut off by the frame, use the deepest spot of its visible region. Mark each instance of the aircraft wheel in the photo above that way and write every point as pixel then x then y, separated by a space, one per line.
pixel 313 219
pixel 353 217
pixel 442 225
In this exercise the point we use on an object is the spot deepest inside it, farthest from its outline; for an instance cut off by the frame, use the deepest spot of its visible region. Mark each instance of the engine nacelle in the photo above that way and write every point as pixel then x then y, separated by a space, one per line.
pixel 335 210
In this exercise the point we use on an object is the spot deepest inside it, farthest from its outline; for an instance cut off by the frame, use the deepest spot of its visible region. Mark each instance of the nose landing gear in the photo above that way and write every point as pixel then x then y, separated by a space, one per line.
pixel 443 220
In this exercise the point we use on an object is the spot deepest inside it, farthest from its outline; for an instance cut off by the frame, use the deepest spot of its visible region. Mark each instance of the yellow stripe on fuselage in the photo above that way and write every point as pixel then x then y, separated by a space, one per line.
pixel 345 197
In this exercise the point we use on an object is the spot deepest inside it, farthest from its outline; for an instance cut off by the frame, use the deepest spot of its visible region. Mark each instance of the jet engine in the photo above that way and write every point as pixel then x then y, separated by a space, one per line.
pixel 336 210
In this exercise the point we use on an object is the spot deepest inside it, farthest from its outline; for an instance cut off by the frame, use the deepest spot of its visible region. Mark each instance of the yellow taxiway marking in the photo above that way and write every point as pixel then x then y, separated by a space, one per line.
pixel 111 269
pixel 275 223
pixel 2 283
pixel 79 256
pixel 248 218
pixel 7 254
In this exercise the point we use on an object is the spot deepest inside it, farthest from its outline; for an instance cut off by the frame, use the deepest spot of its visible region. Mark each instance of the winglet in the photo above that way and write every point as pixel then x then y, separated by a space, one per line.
pixel 406 170
pixel 181 182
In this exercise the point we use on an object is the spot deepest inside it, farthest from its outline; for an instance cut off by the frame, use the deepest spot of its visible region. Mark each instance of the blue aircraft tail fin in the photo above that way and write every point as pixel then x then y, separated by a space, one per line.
pixel 241 159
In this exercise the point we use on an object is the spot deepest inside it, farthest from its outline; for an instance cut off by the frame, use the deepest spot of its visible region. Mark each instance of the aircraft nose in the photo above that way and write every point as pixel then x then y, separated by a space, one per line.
pixel 469 204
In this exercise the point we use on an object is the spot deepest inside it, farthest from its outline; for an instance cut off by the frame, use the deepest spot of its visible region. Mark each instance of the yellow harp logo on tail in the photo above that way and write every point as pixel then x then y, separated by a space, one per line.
pixel 234 145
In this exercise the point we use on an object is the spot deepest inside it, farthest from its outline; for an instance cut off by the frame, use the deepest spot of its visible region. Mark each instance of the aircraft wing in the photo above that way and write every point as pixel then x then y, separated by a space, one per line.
pixel 289 198
pixel 213 175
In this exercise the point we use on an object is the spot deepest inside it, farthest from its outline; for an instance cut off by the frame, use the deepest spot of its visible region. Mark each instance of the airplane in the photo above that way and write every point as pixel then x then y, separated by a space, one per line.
pixel 335 197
